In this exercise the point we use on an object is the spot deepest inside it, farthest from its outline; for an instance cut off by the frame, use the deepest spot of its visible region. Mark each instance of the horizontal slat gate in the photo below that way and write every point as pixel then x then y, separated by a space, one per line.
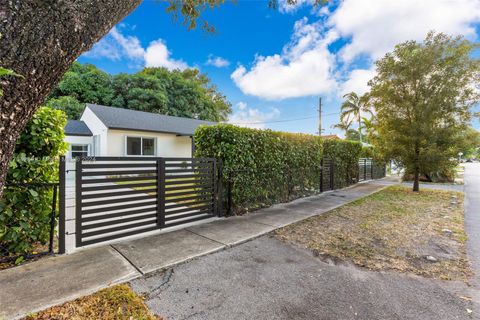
pixel 326 175
pixel 123 196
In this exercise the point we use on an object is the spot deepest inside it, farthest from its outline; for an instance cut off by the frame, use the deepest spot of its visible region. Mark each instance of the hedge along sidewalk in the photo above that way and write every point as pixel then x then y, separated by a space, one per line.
pixel 38 285
pixel 264 167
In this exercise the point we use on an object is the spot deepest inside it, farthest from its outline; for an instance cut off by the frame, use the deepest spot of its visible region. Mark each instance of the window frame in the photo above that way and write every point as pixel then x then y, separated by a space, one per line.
pixel 79 145
pixel 141 146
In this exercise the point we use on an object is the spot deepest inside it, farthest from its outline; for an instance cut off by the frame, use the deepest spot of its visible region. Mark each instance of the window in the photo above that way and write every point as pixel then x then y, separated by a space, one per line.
pixel 79 150
pixel 140 146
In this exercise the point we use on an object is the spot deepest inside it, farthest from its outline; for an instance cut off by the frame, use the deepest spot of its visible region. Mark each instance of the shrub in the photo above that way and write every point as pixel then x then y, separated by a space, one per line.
pixel 268 167
pixel 25 211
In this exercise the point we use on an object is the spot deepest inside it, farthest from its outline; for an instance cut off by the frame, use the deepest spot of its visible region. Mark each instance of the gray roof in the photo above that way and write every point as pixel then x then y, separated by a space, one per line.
pixel 126 119
pixel 77 128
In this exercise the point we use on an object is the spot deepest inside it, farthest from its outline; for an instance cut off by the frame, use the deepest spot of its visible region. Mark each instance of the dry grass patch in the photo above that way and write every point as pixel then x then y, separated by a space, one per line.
pixel 115 303
pixel 394 229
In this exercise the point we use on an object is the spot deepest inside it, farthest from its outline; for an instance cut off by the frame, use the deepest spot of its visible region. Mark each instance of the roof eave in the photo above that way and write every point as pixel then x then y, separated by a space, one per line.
pixel 155 131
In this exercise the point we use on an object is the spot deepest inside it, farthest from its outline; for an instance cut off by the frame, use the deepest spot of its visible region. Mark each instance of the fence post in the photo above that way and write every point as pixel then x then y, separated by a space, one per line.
pixel 53 218
pixel 365 169
pixel 371 170
pixel 321 175
pixel 78 201
pixel 229 195
pixel 160 193
pixel 219 190
pixel 61 205
pixel 332 174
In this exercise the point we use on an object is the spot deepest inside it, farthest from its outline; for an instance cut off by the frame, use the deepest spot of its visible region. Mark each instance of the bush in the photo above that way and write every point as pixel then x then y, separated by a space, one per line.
pixel 268 167
pixel 25 211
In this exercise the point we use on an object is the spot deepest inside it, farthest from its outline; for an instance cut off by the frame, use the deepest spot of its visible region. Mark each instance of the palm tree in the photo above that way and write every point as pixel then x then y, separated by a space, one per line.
pixel 352 108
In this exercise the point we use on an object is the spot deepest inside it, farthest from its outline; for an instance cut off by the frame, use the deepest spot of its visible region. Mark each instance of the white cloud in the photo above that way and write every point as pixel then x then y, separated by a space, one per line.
pixel 104 49
pixel 251 117
pixel 304 68
pixel 218 62
pixel 130 45
pixel 241 105
pixel 116 46
pixel 377 26
pixel 285 7
pixel 358 81
pixel 157 55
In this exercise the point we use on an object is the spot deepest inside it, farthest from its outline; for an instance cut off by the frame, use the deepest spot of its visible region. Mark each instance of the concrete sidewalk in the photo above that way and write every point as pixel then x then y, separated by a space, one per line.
pixel 38 285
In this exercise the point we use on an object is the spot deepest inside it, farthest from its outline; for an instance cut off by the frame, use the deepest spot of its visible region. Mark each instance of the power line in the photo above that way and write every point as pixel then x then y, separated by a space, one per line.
pixel 286 120
pixel 274 121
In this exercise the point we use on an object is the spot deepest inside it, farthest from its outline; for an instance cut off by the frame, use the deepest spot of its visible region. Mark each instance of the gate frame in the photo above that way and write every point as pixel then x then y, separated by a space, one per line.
pixel 160 165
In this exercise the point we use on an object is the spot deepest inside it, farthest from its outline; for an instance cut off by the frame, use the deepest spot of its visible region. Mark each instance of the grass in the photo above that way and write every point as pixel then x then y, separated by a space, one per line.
pixel 115 303
pixel 394 229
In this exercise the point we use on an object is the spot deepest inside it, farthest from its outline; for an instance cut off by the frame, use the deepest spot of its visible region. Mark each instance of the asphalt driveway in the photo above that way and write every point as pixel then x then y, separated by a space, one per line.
pixel 268 279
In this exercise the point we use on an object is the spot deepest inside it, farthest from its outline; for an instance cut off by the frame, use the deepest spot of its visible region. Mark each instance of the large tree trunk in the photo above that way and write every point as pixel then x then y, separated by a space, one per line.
pixel 40 39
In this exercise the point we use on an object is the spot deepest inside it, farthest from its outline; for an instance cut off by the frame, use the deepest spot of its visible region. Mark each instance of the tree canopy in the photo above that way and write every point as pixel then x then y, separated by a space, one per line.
pixel 423 96
pixel 186 93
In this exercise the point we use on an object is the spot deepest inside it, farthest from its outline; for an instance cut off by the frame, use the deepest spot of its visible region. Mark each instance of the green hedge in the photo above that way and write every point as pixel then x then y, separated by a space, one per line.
pixel 268 167
pixel 25 212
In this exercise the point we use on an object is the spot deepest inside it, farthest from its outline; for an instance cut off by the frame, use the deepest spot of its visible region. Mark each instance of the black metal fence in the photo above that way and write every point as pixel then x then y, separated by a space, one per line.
pixel 369 169
pixel 32 219
pixel 123 196
pixel 317 179
pixel 22 219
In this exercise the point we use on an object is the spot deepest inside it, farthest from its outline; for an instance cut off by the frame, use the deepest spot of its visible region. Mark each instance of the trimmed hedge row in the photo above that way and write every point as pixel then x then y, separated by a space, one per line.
pixel 267 167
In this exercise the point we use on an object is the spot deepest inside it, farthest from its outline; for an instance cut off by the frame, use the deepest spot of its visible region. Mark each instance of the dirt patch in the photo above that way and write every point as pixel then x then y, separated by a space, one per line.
pixel 395 229
pixel 115 303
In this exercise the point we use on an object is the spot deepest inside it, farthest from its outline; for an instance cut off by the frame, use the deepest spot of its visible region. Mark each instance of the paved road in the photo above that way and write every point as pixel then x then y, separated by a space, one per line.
pixel 268 279
pixel 441 186
pixel 472 218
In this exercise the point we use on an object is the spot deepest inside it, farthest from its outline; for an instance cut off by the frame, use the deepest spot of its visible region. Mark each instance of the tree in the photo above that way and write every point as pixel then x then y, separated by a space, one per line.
pixel 351 109
pixel 43 38
pixel 468 143
pixel 186 93
pixel 71 106
pixel 86 83
pixel 423 94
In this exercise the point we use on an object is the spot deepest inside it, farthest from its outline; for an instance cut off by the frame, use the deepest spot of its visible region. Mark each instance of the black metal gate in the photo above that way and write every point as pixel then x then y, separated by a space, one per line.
pixel 365 169
pixel 123 196
pixel 327 175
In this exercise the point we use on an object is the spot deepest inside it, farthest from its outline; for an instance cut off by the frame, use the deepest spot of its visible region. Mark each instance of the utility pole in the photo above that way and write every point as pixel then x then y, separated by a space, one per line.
pixel 320 116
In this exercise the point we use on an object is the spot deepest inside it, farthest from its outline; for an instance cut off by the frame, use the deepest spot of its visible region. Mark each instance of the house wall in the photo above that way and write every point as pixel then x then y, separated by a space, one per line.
pixel 166 145
pixel 70 164
pixel 98 129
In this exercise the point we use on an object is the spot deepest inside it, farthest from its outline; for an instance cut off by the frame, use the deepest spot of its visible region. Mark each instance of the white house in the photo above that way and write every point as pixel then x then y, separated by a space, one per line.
pixel 109 131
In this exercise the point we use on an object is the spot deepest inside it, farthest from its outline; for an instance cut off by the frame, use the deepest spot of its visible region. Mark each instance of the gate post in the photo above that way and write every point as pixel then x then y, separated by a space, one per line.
pixel 161 193
pixel 219 190
pixel 371 170
pixel 61 205
pixel 78 202
pixel 365 169
pixel 321 175
pixel 332 175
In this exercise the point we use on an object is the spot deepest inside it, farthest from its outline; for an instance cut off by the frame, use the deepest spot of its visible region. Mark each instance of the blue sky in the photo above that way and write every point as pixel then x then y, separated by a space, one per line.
pixel 273 65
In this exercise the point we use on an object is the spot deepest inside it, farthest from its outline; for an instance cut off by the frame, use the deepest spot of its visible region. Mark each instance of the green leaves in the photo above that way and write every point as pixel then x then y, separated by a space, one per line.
pixel 423 97
pixel 25 211
pixel 269 167
pixel 186 93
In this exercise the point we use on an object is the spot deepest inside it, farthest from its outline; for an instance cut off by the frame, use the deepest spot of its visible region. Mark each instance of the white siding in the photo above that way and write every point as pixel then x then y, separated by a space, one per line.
pixel 98 128
pixel 166 145
pixel 70 164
